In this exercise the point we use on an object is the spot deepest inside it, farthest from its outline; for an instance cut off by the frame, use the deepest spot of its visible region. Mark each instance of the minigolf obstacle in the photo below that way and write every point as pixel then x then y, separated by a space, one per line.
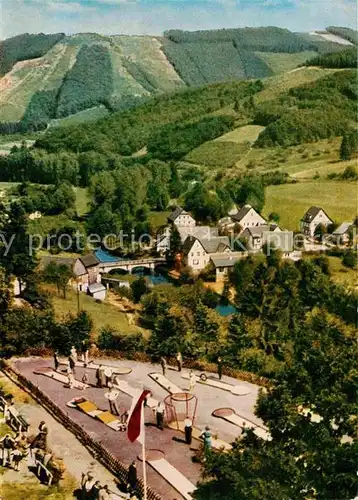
pixel 156 459
pixel 237 390
pixel 180 406
pixel 60 377
pixel 165 383
pixel 233 417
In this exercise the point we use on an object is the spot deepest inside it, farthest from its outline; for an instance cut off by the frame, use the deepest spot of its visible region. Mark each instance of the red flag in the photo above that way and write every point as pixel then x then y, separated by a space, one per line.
pixel 134 419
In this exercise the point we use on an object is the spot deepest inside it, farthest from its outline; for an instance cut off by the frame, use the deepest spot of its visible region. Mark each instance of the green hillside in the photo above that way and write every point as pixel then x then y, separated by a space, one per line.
pixel 42 74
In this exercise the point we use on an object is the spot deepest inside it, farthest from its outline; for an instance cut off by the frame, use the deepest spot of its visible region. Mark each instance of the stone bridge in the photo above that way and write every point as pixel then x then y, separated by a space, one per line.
pixel 128 265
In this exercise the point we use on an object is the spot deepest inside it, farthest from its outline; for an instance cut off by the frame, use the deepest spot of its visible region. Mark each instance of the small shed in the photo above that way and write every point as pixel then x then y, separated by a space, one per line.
pixel 97 291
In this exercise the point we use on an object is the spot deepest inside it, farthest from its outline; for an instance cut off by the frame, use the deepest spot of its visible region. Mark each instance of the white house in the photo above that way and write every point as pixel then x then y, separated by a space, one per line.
pixel 180 217
pixel 341 234
pixel 257 236
pixel 201 232
pixel 197 251
pixel 314 217
pixel 248 217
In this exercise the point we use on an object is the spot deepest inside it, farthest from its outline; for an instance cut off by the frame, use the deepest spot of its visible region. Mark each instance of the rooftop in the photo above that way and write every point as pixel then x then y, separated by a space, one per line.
pixel 343 228
pixel 226 259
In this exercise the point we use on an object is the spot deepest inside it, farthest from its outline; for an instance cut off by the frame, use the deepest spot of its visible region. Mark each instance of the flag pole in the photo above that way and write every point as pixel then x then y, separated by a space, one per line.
pixel 144 456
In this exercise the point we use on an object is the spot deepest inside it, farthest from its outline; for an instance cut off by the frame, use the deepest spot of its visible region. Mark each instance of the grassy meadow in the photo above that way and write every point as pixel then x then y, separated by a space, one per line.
pixel 102 313
pixel 291 201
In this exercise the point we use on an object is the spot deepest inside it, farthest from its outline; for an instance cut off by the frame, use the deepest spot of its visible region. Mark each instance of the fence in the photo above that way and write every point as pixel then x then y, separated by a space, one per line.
pixel 99 452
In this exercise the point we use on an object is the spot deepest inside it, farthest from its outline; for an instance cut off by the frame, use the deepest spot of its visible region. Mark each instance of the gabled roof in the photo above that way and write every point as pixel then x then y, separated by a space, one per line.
pixel 256 231
pixel 201 232
pixel 343 228
pixel 241 213
pixel 176 212
pixel 311 213
pixel 96 287
pixel 89 260
pixel 212 245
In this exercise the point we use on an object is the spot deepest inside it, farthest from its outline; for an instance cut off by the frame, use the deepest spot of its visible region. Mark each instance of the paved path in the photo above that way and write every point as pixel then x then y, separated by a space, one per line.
pixel 177 453
pixel 64 445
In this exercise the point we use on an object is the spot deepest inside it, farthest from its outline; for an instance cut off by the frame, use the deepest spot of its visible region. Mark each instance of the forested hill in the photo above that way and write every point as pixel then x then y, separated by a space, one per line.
pixel 50 77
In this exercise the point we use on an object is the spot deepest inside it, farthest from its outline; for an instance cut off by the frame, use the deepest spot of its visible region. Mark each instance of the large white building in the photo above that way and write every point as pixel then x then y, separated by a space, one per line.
pixel 247 216
pixel 314 217
pixel 197 251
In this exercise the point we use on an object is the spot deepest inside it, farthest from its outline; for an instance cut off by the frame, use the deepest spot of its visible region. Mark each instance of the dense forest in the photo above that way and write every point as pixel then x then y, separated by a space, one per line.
pixel 344 59
pixel 192 53
pixel 88 83
pixel 128 131
pixel 26 46
pixel 175 140
pixel 90 70
pixel 313 111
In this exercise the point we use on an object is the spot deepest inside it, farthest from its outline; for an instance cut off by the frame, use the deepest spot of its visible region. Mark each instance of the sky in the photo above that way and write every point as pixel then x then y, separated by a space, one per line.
pixel 152 17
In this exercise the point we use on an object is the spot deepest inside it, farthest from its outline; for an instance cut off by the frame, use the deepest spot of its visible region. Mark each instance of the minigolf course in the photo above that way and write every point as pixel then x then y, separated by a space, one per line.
pixel 60 377
pixel 156 459
pixel 93 411
pixel 237 390
pixel 165 383
pixel 231 416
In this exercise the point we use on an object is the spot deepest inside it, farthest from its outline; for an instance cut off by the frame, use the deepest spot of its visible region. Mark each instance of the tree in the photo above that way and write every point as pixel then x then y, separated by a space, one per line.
pixel 74 331
pixel 345 152
pixel 16 252
pixel 309 409
pixel 139 287
pixel 350 258
pixel 320 231
pixel 5 293
pixel 59 275
pixel 175 243
pixel 275 217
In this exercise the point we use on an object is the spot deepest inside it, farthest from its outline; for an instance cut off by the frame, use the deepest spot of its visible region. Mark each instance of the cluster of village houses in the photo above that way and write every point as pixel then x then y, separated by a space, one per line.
pixel 205 245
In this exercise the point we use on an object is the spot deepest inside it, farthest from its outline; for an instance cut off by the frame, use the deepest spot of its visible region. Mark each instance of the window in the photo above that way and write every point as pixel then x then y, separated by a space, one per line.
pixel 192 254
pixel 221 269
pixel 198 254
pixel 195 262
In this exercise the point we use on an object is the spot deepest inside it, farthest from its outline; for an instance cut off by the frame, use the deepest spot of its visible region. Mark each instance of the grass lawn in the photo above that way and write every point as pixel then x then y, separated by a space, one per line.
pixel 291 201
pixel 82 201
pixel 102 313
pixel 342 274
pixel 218 153
pixel 81 117
pixel 248 133
pixel 32 489
pixel 7 185
pixel 281 62
pixel 278 84
pixel 158 219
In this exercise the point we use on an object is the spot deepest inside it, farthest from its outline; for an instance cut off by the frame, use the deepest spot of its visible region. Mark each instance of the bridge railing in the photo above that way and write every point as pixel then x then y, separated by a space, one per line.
pixel 155 260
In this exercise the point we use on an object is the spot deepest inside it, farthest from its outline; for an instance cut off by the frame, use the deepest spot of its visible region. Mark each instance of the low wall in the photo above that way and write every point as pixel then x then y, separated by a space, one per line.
pixel 98 451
